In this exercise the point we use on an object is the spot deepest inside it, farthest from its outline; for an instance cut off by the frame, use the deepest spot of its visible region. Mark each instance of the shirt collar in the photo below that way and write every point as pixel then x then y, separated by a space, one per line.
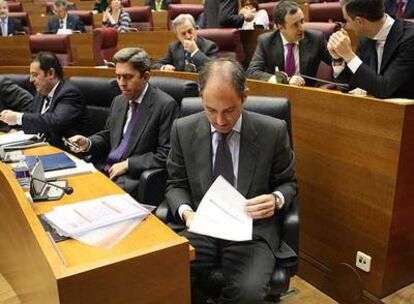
pixel 285 42
pixel 236 127
pixel 52 91
pixel 64 19
pixel 385 29
pixel 141 97
pixel 5 20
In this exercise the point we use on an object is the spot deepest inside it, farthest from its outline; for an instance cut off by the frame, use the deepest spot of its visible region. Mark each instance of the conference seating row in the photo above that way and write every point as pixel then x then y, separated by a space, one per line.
pixel 99 92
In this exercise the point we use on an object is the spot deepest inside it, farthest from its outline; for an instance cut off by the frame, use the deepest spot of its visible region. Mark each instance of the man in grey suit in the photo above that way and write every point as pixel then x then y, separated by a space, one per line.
pixel 137 132
pixel 8 26
pixel 224 14
pixel 61 20
pixel 190 53
pixel 290 48
pixel 253 153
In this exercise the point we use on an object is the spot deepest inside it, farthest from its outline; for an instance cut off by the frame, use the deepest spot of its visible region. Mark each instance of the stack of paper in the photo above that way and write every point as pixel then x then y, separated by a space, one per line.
pixel 19 140
pixel 82 220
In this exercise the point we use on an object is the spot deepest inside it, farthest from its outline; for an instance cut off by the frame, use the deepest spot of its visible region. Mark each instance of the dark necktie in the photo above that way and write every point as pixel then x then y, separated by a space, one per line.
pixel 60 24
pixel 400 8
pixel 116 155
pixel 223 164
pixel 290 66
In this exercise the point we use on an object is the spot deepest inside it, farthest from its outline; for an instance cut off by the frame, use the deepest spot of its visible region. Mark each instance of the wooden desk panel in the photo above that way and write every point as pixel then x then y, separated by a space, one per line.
pixel 14 50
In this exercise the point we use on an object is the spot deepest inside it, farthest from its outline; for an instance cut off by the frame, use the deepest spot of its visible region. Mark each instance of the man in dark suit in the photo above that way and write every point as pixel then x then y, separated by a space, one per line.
pixel 253 153
pixel 8 25
pixel 158 5
pixel 290 48
pixel 400 8
pixel 61 20
pixel 58 107
pixel 384 63
pixel 13 97
pixel 224 13
pixel 190 53
pixel 137 133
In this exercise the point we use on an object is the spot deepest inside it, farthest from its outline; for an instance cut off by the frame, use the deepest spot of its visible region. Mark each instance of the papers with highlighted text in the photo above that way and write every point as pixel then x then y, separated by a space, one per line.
pixel 99 222
pixel 221 214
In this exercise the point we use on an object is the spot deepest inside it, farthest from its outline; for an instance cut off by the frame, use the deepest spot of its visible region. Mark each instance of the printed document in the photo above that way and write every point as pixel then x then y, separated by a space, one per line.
pixel 221 214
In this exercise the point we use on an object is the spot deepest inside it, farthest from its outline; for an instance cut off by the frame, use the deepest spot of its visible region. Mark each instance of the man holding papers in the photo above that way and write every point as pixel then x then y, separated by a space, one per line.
pixel 137 132
pixel 253 153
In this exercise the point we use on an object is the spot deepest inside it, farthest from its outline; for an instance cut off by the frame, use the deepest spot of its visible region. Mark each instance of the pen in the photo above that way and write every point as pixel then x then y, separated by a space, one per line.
pixel 55 246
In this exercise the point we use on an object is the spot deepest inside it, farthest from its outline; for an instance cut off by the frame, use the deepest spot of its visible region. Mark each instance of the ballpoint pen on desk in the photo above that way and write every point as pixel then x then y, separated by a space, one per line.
pixel 55 246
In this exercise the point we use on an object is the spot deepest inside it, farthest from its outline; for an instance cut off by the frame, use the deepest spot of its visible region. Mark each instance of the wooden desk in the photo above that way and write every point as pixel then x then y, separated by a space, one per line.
pixel 150 265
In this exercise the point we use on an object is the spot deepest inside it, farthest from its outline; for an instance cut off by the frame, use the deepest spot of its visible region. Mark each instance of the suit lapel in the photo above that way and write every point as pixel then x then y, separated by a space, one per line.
pixel 179 55
pixel 202 149
pixel 304 49
pixel 391 43
pixel 279 53
pixel 247 155
pixel 118 126
pixel 144 114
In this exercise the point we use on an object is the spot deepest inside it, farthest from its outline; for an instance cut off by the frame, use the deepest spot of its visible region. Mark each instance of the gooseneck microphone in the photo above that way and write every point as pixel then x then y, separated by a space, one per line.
pixel 68 190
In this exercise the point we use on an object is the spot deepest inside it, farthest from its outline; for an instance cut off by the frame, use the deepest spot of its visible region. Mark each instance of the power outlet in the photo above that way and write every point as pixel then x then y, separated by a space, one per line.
pixel 363 261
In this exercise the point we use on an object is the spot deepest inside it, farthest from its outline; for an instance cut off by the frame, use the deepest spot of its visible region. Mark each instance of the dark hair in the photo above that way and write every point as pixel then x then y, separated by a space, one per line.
pixel 282 9
pixel 372 10
pixel 137 57
pixel 255 3
pixel 61 3
pixel 226 69
pixel 47 61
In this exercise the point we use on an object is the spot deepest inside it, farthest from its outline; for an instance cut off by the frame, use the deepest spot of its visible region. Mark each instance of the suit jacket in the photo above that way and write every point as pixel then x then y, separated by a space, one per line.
pixel 13 97
pixel 66 116
pixel 207 50
pixel 164 4
pixel 266 164
pixel 269 53
pixel 150 139
pixel 222 13
pixel 13 25
pixel 391 8
pixel 396 77
pixel 72 22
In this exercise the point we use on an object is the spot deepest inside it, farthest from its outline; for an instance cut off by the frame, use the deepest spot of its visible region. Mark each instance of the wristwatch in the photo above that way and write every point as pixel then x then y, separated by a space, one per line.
pixel 279 203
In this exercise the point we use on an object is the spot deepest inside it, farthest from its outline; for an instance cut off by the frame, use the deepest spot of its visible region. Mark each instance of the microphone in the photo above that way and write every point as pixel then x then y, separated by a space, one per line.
pixel 341 86
pixel 68 190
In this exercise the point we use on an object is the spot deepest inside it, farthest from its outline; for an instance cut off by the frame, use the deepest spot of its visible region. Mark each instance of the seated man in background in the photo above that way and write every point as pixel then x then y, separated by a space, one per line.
pixel 400 8
pixel 8 26
pixel 384 63
pixel 253 153
pixel 137 132
pixel 158 5
pixel 13 97
pixel 224 14
pixel 191 52
pixel 58 109
pixel 61 20
pixel 290 48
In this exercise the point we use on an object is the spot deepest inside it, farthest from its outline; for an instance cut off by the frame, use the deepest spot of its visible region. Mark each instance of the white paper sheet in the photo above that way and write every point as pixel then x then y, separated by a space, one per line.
pixel 221 214
pixel 15 137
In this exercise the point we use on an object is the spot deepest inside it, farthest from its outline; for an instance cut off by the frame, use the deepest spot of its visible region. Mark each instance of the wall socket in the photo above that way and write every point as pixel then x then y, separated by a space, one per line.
pixel 363 261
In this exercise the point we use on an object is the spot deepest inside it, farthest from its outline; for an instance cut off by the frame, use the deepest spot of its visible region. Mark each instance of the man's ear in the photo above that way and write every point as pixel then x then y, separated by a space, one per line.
pixel 245 94
pixel 51 73
pixel 360 21
pixel 146 76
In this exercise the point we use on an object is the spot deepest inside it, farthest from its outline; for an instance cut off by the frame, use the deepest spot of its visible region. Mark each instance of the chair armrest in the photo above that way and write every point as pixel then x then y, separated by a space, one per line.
pixel 290 225
pixel 162 211
pixel 152 185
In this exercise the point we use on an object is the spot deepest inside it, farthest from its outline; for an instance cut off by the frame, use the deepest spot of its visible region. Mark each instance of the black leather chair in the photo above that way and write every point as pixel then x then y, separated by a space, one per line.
pixel 99 93
pixel 23 81
pixel 289 225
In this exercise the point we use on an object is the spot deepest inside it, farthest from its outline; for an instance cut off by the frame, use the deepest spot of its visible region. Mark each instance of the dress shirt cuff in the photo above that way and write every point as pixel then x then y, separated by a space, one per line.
pixel 183 208
pixel 354 64
pixel 272 79
pixel 193 53
pixel 127 163
pixel 282 199
pixel 19 119
pixel 89 145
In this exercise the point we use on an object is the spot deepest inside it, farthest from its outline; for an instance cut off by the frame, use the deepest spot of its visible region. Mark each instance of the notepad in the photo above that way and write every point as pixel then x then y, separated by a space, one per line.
pixel 52 162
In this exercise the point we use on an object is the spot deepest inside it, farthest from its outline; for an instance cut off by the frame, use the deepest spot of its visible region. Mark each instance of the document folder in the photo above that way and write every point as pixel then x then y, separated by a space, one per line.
pixel 52 162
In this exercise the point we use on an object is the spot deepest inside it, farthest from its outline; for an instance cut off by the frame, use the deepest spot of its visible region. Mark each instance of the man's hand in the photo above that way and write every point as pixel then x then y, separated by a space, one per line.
pixel 358 92
pixel 168 67
pixel 260 207
pixel 188 216
pixel 118 169
pixel 9 117
pixel 190 45
pixel 297 80
pixel 81 142
pixel 339 46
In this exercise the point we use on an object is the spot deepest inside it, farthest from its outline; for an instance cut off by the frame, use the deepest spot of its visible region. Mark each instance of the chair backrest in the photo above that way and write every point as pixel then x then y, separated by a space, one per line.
pixel 327 28
pixel 86 17
pixel 58 44
pixel 228 41
pixel 23 81
pixel 277 107
pixel 24 19
pixel 125 3
pixel 325 12
pixel 105 44
pixel 176 9
pixel 141 17
pixel 49 7
pixel 14 7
